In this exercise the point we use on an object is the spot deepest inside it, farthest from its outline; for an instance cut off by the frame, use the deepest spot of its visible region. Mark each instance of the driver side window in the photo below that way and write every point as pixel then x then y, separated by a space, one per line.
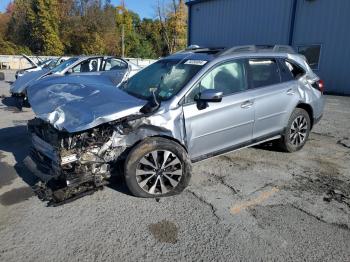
pixel 90 65
pixel 228 78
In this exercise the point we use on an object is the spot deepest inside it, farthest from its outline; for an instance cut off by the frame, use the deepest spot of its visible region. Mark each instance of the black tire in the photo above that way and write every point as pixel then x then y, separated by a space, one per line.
pixel 143 149
pixel 286 142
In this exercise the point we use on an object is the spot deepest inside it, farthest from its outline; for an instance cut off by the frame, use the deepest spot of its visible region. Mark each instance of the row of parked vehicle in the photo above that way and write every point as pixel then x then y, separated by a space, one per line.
pixel 95 116
pixel 106 68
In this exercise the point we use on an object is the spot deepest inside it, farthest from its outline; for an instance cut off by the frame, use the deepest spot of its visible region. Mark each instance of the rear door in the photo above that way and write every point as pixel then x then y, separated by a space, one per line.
pixel 221 125
pixel 115 68
pixel 274 94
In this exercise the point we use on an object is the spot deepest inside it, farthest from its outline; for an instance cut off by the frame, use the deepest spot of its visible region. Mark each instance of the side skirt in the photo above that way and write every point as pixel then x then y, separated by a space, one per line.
pixel 250 143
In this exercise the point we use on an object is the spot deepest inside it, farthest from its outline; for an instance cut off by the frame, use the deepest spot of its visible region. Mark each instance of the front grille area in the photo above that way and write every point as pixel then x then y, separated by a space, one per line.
pixel 45 131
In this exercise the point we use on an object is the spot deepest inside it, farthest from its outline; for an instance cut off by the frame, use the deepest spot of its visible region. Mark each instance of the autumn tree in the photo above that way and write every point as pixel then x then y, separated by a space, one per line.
pixel 173 24
pixel 18 26
pixel 7 22
pixel 76 27
pixel 43 27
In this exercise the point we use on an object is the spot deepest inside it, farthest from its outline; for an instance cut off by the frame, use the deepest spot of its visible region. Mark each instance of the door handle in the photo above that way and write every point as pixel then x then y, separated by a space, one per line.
pixel 247 104
pixel 290 92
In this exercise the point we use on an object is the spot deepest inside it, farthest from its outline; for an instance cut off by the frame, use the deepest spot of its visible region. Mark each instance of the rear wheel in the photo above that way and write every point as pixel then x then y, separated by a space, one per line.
pixel 157 167
pixel 296 132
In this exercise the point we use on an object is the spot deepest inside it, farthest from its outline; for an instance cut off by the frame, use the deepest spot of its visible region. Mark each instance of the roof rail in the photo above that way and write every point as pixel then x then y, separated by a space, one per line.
pixel 256 48
pixel 200 49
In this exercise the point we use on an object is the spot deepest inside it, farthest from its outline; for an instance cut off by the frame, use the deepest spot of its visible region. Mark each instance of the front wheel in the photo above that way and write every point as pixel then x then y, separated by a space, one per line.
pixel 296 132
pixel 157 167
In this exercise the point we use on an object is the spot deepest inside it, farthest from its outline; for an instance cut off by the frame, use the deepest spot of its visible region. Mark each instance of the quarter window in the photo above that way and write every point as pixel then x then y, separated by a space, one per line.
pixel 263 72
pixel 286 74
pixel 228 78
pixel 312 54
pixel 295 70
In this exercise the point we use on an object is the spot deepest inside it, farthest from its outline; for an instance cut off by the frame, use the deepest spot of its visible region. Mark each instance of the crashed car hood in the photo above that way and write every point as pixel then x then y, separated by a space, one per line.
pixel 33 64
pixel 75 107
pixel 21 83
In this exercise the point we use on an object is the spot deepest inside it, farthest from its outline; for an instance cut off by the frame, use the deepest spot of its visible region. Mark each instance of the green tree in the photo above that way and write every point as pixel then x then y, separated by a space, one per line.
pixel 43 24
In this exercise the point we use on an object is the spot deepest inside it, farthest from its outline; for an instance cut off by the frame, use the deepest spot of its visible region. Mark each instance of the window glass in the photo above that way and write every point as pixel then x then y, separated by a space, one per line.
pixel 263 72
pixel 285 71
pixel 167 76
pixel 228 78
pixel 115 64
pixel 64 65
pixel 90 65
pixel 295 70
pixel 312 54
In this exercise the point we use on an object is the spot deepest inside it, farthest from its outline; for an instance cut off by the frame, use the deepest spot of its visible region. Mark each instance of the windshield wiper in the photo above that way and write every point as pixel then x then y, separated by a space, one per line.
pixel 153 104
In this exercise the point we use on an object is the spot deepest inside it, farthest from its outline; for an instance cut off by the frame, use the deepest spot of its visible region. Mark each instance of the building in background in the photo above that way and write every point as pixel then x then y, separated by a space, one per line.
pixel 319 29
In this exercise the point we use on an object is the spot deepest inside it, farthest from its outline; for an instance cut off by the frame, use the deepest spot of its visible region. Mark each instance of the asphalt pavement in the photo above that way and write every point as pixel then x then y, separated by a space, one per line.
pixel 255 204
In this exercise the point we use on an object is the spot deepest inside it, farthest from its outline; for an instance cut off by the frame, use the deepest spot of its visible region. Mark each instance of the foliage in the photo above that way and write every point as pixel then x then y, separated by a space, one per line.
pixel 75 27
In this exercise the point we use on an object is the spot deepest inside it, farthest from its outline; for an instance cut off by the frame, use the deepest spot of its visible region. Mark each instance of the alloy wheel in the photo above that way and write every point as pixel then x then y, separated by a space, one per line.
pixel 298 131
pixel 159 172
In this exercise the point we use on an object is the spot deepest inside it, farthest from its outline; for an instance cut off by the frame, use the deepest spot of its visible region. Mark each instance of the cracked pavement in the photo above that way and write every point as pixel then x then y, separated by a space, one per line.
pixel 255 204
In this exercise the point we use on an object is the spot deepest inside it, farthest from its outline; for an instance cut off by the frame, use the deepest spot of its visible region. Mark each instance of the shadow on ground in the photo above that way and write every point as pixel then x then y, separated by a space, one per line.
pixel 15 140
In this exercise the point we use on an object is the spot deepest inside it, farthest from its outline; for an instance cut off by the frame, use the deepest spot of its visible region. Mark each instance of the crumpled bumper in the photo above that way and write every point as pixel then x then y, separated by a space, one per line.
pixel 39 168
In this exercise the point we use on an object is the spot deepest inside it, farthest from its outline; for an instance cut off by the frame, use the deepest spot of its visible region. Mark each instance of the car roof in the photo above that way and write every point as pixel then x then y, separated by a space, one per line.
pixel 191 55
pixel 211 53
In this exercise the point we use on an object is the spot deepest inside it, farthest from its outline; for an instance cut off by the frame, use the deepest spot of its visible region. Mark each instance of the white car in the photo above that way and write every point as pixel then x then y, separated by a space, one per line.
pixel 39 65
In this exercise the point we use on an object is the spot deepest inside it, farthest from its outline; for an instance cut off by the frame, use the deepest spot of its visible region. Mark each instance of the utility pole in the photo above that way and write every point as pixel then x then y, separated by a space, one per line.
pixel 123 41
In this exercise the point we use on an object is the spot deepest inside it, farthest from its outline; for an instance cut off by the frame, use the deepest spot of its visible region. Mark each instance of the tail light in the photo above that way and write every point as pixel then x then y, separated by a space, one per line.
pixel 319 85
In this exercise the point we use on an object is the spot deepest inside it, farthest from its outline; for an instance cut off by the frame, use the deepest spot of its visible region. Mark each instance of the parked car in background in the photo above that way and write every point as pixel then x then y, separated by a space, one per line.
pixel 117 69
pixel 190 106
pixel 41 64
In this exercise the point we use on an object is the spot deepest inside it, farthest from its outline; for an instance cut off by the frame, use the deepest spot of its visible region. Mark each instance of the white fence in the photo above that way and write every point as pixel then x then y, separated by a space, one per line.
pixel 19 62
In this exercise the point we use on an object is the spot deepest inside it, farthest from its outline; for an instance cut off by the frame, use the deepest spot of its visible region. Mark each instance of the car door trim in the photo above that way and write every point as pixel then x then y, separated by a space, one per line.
pixel 272 115
pixel 224 129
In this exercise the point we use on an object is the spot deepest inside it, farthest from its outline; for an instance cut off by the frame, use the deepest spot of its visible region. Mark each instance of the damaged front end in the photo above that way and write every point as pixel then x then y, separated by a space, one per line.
pixel 69 164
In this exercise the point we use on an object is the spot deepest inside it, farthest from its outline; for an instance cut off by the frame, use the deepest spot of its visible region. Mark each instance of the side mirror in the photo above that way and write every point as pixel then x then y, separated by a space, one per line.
pixel 208 95
pixel 69 71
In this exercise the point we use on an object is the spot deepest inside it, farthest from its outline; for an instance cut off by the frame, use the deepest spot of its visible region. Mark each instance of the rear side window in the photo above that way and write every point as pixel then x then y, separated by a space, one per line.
pixel 295 70
pixel 263 72
pixel 114 64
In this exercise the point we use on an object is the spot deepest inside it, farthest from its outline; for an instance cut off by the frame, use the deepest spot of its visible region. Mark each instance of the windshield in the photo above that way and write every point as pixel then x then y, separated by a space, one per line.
pixel 49 63
pixel 168 76
pixel 64 65
pixel 43 63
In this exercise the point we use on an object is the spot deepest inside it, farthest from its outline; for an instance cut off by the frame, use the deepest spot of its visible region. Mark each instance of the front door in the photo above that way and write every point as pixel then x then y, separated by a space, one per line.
pixel 221 125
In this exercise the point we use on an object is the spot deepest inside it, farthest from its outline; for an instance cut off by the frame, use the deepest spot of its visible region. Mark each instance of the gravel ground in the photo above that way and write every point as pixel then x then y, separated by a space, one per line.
pixel 255 204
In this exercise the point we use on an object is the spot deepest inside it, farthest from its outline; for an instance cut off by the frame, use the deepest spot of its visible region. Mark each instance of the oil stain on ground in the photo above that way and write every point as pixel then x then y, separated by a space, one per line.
pixel 7 172
pixel 164 231
pixel 16 195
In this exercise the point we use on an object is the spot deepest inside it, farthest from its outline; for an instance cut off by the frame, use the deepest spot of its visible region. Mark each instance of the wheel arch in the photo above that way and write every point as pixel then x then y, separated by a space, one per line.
pixel 309 110
pixel 161 136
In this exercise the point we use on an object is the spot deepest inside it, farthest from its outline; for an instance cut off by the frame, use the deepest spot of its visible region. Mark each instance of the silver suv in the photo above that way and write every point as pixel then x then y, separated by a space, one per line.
pixel 193 105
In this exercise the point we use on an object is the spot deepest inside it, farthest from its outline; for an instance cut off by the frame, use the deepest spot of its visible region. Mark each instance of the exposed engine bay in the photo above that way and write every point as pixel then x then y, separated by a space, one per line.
pixel 72 163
